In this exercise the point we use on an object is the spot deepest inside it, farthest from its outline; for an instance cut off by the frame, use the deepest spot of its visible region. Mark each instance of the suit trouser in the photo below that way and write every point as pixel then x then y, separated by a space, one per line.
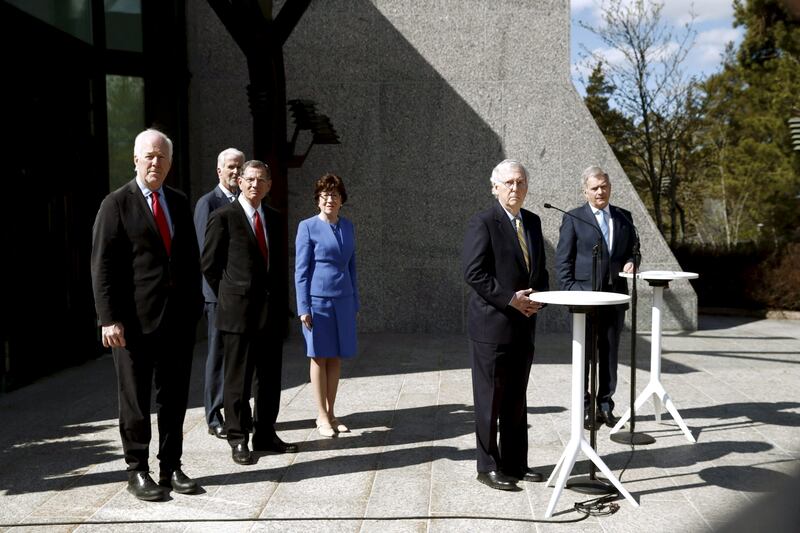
pixel 246 355
pixel 499 384
pixel 610 321
pixel 162 358
pixel 214 371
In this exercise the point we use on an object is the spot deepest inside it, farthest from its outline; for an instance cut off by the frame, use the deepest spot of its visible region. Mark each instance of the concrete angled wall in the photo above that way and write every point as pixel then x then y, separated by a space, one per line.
pixel 427 96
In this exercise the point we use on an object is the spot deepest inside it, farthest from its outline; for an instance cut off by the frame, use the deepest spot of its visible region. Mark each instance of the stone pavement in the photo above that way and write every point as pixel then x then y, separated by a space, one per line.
pixel 408 464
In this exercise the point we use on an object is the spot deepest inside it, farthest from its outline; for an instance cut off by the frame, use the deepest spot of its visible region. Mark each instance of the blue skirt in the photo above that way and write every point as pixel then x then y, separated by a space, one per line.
pixel 333 332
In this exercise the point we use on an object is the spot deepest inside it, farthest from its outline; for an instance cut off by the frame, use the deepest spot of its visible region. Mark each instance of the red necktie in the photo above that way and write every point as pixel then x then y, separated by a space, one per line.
pixel 262 240
pixel 161 222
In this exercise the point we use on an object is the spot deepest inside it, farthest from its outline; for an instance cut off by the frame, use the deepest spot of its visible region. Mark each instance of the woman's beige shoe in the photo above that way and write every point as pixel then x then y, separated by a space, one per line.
pixel 325 429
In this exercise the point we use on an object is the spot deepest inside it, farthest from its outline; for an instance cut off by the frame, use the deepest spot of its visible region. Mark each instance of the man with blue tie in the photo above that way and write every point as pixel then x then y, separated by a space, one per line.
pixel 229 167
pixel 574 272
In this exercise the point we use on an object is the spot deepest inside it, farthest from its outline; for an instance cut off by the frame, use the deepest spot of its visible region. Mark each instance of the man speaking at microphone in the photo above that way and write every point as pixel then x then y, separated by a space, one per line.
pixel 574 273
pixel 503 259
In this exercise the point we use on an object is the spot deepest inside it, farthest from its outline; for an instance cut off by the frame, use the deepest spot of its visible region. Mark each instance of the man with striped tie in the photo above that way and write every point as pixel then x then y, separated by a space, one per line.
pixel 574 271
pixel 504 261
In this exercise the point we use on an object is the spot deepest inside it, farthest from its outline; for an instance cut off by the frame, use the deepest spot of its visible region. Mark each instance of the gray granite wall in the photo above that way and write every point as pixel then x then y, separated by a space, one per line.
pixel 427 96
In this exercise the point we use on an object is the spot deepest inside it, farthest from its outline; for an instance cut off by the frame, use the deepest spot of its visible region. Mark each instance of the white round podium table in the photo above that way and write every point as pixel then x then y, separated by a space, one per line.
pixel 658 279
pixel 579 303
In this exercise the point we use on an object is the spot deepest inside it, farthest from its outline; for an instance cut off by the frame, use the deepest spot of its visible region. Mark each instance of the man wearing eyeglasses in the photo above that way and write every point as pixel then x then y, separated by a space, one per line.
pixel 245 267
pixel 503 260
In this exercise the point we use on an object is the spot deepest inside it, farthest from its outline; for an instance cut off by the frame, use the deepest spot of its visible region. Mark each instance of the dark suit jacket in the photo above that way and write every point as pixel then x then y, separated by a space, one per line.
pixel 209 202
pixel 574 251
pixel 494 268
pixel 250 298
pixel 132 277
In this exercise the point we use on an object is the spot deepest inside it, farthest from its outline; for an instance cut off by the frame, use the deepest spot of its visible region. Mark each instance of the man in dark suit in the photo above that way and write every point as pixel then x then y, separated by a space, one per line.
pixel 503 260
pixel 249 277
pixel 147 292
pixel 574 271
pixel 229 167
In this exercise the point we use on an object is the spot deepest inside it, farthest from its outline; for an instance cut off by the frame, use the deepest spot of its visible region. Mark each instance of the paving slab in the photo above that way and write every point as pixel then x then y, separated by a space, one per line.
pixel 408 465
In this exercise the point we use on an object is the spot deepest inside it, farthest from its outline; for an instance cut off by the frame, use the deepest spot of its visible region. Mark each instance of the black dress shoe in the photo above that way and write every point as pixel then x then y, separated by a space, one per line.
pixel 527 475
pixel 607 416
pixel 497 480
pixel 587 423
pixel 141 485
pixel 241 454
pixel 273 444
pixel 180 482
pixel 218 431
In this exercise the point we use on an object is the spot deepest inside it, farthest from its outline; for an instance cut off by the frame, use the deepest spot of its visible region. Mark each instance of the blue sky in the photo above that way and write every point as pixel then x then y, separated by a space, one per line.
pixel 713 23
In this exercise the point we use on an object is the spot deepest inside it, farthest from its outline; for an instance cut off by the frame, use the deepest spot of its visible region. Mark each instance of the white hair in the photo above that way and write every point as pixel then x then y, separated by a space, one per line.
pixel 137 144
pixel 229 152
pixel 503 167
pixel 593 172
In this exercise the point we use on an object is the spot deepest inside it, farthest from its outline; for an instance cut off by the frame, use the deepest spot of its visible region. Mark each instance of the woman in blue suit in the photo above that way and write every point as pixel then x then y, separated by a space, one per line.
pixel 327 295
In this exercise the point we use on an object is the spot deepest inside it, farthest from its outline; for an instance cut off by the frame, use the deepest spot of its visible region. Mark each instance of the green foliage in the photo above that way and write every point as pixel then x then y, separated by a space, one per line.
pixel 748 166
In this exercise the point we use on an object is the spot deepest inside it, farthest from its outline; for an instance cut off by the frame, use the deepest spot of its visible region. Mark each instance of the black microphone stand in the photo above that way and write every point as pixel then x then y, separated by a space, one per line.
pixel 591 484
pixel 631 437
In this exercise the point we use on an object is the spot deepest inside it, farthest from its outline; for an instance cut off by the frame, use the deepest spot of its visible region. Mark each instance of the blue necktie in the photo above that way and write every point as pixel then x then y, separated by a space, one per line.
pixel 604 226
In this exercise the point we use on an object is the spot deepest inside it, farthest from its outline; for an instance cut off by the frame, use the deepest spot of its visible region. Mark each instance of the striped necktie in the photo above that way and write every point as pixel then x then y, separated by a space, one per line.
pixel 522 243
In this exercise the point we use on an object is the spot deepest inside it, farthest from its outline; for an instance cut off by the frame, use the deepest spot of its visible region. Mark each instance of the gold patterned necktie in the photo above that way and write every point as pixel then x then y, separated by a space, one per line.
pixel 522 243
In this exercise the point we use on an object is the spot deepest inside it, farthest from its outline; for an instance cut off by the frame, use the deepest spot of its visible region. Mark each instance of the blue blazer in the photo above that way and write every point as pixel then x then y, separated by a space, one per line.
pixel 212 200
pixel 322 268
pixel 574 251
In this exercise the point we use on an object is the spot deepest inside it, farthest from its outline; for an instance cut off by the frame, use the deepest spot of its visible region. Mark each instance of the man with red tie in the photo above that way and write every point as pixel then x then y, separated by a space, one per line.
pixel 147 291
pixel 244 265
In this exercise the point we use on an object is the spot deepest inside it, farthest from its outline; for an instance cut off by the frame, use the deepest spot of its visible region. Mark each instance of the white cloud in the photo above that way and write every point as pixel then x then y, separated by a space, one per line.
pixel 675 11
pixel 710 46
pixel 580 5
pixel 610 56
pixel 718 36
pixel 704 10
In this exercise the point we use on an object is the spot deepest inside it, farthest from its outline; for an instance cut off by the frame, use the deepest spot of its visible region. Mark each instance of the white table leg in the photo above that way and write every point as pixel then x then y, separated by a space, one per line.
pixel 654 387
pixel 577 440
pixel 605 470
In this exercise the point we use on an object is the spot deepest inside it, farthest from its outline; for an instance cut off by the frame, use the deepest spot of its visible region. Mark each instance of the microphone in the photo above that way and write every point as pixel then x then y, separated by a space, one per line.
pixel 594 226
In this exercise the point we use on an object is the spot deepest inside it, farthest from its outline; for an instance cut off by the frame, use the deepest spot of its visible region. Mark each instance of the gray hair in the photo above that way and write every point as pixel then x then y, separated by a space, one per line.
pixel 502 168
pixel 137 144
pixel 592 172
pixel 255 163
pixel 232 152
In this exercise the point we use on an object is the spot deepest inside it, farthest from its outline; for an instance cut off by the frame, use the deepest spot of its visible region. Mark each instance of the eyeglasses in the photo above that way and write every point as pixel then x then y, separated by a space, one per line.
pixel 510 184
pixel 329 196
